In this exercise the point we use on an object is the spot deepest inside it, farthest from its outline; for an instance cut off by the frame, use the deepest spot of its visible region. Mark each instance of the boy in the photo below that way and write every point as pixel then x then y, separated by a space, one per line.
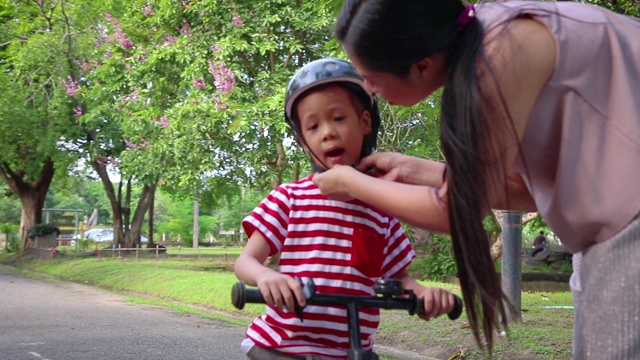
pixel 344 246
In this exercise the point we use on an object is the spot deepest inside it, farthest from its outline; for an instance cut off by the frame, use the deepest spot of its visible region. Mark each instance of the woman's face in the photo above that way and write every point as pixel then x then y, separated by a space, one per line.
pixel 423 79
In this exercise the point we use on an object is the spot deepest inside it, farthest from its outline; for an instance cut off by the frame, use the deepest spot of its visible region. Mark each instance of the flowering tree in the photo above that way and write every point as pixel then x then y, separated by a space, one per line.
pixel 190 94
pixel 39 42
pixel 185 95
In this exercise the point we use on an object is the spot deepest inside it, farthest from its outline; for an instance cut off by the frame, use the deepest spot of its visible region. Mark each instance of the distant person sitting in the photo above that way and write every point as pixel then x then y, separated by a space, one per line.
pixel 539 240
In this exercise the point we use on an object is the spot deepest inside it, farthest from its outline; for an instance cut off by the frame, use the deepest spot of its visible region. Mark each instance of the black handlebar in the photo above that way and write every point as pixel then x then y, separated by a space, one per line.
pixel 240 295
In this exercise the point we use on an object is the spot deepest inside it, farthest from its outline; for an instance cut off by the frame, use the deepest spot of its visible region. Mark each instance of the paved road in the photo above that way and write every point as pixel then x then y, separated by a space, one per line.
pixel 40 320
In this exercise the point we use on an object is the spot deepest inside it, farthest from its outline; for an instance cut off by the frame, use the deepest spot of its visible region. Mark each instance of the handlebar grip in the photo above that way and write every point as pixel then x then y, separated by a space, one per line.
pixel 452 315
pixel 240 295
pixel 457 308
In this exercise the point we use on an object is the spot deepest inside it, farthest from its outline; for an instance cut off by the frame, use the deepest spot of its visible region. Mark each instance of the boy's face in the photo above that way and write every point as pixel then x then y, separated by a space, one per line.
pixel 333 129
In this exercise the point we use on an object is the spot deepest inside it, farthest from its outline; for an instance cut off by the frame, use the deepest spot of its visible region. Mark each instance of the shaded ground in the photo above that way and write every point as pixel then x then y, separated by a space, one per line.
pixel 545 333
pixel 444 339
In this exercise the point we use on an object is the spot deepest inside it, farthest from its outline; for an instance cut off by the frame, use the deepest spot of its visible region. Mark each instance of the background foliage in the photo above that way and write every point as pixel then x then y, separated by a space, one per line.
pixel 182 96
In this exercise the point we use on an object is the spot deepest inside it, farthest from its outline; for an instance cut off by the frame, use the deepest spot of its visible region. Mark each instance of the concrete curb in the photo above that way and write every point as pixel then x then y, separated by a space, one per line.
pixel 399 354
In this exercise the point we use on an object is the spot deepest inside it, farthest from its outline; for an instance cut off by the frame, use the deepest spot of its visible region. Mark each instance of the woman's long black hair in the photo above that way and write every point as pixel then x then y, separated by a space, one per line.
pixel 391 35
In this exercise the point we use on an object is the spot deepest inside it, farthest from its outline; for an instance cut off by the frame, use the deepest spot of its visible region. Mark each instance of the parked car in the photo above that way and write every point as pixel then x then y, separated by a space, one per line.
pixel 89 234
pixel 106 235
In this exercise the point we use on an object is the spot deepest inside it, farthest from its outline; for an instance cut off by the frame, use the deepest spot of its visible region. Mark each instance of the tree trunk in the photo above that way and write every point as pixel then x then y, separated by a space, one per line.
pixel 32 195
pixel 152 202
pixel 132 234
pixel 422 240
pixel 110 191
pixel 281 159
pixel 496 247
pixel 126 214
pixel 127 230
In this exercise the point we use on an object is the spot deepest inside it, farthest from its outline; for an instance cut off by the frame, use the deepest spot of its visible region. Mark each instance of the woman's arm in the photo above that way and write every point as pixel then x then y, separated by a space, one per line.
pixel 418 171
pixel 522 56
pixel 418 205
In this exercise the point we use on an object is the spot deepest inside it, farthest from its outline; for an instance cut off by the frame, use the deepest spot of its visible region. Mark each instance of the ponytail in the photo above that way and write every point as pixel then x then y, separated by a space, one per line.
pixel 390 36
pixel 464 136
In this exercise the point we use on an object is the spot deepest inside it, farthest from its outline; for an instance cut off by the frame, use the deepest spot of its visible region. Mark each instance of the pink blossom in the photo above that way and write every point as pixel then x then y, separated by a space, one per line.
pixel 185 29
pixel 169 40
pixel 147 10
pixel 136 146
pixel 132 97
pixel 216 48
pixel 77 111
pixel 121 37
pixel 71 86
pixel 220 106
pixel 200 84
pixel 224 78
pixel 163 121
pixel 237 20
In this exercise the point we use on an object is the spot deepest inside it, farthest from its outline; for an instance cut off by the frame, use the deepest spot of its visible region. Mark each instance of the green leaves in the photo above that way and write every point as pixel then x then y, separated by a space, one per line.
pixel 185 61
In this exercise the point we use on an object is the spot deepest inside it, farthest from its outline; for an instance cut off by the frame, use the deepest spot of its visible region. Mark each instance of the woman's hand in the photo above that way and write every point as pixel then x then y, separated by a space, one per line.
pixel 403 168
pixel 387 165
pixel 335 182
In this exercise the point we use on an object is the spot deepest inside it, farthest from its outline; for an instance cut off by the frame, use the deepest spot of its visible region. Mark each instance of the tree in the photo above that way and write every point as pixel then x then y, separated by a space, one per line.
pixel 189 96
pixel 40 43
pixel 626 7
pixel 199 89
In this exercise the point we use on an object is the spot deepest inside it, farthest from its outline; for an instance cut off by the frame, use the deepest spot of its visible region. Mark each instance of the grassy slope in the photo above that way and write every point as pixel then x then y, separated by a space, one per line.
pixel 203 286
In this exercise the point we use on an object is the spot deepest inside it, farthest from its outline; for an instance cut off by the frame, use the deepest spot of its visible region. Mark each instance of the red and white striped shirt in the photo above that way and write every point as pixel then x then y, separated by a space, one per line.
pixel 343 246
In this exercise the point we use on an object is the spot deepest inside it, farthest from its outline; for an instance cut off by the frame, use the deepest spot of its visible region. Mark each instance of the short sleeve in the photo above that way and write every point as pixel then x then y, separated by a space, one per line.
pixel 400 253
pixel 270 218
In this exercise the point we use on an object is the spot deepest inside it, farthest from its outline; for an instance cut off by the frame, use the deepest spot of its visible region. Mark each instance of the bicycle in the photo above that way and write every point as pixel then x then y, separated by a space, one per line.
pixel 389 295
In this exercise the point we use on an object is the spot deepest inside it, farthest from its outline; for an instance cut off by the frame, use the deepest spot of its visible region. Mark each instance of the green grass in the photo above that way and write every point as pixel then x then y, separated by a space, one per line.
pixel 219 251
pixel 203 286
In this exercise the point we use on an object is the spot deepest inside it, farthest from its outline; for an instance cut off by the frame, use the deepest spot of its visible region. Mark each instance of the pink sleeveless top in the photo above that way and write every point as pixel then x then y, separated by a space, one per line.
pixel 581 147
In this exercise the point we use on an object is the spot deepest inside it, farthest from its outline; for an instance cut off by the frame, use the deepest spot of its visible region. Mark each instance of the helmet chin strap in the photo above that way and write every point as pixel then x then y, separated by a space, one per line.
pixel 316 167
pixel 313 157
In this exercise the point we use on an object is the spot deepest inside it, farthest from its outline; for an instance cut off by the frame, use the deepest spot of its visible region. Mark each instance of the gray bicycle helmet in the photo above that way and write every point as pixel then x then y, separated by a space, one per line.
pixel 331 70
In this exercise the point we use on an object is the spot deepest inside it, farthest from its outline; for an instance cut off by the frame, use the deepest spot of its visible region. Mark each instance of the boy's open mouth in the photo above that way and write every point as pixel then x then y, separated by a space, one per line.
pixel 335 152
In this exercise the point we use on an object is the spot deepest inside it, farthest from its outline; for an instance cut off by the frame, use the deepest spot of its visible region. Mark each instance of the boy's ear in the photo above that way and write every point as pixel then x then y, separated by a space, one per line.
pixel 424 67
pixel 365 122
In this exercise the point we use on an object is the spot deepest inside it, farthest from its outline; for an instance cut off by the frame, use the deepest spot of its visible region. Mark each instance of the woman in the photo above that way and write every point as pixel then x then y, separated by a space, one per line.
pixel 540 111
